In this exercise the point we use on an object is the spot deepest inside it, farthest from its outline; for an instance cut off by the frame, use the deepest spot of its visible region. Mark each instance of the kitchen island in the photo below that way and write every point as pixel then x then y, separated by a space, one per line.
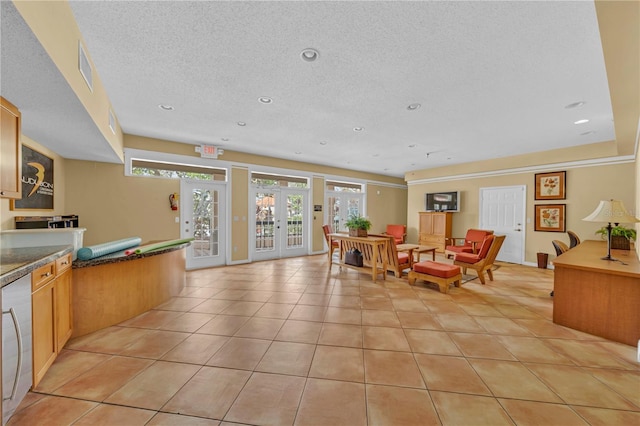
pixel 114 288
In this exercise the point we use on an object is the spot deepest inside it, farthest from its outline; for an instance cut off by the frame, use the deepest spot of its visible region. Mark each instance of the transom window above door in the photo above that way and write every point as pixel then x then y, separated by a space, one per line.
pixel 268 179
pixel 343 186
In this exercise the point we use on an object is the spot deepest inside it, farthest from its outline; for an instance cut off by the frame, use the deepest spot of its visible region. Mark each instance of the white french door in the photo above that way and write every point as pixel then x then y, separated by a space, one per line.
pixel 203 217
pixel 503 210
pixel 341 205
pixel 280 225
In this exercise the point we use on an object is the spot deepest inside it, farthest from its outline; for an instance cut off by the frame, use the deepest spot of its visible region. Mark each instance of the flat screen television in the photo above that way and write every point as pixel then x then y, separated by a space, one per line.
pixel 443 201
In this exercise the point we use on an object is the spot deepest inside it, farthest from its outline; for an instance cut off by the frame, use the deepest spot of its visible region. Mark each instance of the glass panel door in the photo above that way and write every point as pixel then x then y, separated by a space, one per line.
pixel 280 223
pixel 297 213
pixel 265 236
pixel 340 206
pixel 203 219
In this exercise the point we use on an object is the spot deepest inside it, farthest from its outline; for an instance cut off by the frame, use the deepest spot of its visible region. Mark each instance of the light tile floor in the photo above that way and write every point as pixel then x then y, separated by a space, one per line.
pixel 288 342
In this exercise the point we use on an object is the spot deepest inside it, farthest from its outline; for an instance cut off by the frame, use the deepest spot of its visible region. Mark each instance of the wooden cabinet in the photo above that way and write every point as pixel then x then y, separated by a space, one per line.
pixel 63 309
pixel 52 313
pixel 10 156
pixel 435 229
pixel 44 338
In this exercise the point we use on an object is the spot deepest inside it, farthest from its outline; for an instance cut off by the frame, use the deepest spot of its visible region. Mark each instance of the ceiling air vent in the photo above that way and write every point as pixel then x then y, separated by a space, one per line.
pixel 85 66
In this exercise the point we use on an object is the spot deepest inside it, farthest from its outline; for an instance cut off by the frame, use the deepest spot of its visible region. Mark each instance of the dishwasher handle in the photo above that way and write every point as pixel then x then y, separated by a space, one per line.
pixel 16 325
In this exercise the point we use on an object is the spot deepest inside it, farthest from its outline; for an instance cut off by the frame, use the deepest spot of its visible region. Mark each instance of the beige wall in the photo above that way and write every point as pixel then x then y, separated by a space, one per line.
pixel 52 22
pixel 386 205
pixel 636 211
pixel 317 197
pixel 586 186
pixel 59 189
pixel 113 206
pixel 239 214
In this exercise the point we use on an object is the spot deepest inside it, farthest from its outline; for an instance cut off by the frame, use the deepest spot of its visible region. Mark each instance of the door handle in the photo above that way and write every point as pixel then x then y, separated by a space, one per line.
pixel 518 229
pixel 16 326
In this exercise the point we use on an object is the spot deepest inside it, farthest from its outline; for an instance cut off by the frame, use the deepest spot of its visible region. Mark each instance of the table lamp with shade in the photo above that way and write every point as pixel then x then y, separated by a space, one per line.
pixel 610 211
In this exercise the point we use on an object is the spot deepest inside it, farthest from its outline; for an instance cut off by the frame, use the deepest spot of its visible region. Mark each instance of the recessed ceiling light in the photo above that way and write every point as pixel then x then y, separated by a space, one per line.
pixel 309 54
pixel 224 139
pixel 323 143
pixel 584 120
pixel 413 107
pixel 358 129
pixel 376 155
pixel 590 132
pixel 165 107
pixel 413 145
pixel 241 123
pixel 298 152
pixel 265 100
pixel 575 105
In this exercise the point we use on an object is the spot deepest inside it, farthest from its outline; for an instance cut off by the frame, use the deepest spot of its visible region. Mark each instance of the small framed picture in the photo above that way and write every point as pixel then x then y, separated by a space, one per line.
pixel 550 217
pixel 551 186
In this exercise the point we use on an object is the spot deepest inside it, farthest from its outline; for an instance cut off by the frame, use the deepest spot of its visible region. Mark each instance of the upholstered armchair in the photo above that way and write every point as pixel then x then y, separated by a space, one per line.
pixel 469 244
pixel 483 260
pixel 399 232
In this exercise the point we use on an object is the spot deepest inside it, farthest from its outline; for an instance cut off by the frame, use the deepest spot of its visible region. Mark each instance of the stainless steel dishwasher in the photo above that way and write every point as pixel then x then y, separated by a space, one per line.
pixel 17 369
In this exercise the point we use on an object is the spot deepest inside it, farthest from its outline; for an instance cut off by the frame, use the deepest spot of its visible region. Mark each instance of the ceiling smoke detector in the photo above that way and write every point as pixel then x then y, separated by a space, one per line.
pixel 309 55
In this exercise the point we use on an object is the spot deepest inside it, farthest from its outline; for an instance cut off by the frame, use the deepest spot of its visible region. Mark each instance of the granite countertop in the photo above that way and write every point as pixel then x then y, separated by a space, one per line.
pixel 15 263
pixel 119 256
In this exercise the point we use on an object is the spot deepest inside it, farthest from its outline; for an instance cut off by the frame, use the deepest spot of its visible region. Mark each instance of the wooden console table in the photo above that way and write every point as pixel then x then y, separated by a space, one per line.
pixel 373 249
pixel 597 296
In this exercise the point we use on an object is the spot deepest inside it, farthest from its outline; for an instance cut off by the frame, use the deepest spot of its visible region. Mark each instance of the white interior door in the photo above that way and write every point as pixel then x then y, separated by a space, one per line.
pixel 203 217
pixel 503 210
pixel 281 223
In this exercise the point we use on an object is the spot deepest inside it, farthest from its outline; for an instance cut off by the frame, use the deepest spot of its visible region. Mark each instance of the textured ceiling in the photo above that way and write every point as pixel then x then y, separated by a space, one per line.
pixel 492 78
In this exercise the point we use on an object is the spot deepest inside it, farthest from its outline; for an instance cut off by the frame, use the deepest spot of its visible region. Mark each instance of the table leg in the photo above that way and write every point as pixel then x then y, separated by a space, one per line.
pixel 411 260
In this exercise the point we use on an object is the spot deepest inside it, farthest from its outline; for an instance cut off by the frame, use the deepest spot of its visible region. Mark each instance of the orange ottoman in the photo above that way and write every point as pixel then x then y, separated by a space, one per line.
pixel 442 274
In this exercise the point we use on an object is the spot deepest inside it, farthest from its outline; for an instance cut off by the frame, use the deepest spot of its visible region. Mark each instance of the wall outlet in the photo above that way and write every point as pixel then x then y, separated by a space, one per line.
pixel 177 219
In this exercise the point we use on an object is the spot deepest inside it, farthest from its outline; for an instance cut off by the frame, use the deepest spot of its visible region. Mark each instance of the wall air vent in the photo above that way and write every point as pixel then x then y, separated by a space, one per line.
pixel 112 121
pixel 84 66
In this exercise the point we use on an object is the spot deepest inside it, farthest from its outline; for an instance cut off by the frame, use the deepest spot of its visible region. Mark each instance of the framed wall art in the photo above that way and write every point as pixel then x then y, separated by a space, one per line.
pixel 551 186
pixel 550 217
pixel 37 181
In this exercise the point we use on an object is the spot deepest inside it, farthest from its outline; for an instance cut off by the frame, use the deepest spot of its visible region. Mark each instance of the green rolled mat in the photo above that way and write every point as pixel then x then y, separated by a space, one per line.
pixel 91 252
pixel 163 244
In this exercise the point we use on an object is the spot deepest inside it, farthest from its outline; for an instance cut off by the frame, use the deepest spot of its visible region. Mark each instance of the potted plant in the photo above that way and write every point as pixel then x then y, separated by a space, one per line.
pixel 620 236
pixel 358 226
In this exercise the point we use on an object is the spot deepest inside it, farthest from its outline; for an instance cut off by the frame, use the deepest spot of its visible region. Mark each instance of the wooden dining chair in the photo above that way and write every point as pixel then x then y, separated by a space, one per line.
pixel 333 245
